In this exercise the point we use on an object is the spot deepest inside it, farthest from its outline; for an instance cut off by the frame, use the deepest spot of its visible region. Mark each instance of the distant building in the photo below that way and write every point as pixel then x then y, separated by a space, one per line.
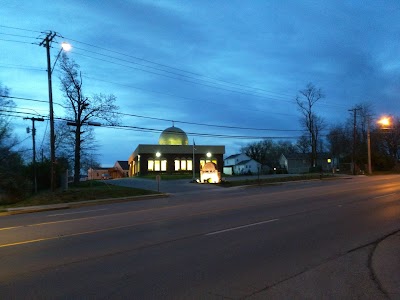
pixel 173 155
pixel 241 164
pixel 120 169
pixel 297 163
pixel 98 173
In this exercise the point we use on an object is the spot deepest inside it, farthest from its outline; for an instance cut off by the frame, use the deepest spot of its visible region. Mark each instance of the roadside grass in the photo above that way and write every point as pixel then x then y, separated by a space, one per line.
pixel 88 190
pixel 274 180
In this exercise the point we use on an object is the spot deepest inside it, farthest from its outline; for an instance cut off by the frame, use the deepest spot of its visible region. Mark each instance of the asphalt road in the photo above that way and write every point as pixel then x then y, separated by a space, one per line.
pixel 299 240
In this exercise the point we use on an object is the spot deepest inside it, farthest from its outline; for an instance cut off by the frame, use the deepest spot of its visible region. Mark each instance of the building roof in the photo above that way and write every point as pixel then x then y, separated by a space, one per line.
pixel 243 162
pixel 99 168
pixel 233 156
pixel 178 150
pixel 306 155
pixel 123 164
pixel 173 136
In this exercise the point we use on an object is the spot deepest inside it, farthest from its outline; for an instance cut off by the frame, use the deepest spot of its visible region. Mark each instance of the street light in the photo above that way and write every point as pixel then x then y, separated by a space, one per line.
pixel 47 44
pixel 384 122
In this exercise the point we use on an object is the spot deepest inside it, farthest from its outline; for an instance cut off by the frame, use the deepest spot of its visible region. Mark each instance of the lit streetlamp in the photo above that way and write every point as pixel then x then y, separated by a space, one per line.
pixel 385 122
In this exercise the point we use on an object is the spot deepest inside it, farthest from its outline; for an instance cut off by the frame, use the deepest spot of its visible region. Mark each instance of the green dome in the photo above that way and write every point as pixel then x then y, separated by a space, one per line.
pixel 173 136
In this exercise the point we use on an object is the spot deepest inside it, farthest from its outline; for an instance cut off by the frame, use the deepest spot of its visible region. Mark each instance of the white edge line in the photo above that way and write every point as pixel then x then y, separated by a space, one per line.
pixel 77 212
pixel 240 227
pixel 383 196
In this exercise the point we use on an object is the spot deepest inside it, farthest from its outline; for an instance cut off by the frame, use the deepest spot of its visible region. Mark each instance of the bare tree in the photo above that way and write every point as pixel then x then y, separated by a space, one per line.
pixel 81 110
pixel 303 144
pixel 267 152
pixel 313 123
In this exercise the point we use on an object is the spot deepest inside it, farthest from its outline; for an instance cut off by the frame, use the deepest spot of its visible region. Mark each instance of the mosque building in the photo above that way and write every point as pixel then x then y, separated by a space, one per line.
pixel 174 155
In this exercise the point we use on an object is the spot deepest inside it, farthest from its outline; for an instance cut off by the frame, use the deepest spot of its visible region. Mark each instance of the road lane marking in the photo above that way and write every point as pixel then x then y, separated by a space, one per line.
pixel 383 196
pixel 24 242
pixel 240 227
pixel 65 236
pixel 77 212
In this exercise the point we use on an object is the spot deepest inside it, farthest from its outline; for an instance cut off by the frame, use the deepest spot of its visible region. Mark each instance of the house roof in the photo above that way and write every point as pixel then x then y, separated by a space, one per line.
pixel 306 155
pixel 233 156
pixel 243 162
pixel 98 169
pixel 124 164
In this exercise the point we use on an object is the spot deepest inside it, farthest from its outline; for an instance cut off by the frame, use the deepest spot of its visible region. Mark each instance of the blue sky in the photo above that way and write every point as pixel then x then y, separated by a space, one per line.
pixel 226 63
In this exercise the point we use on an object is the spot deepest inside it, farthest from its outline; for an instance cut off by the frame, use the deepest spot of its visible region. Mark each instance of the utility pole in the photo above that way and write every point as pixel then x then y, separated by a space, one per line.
pixel 47 43
pixel 34 149
pixel 354 110
pixel 369 145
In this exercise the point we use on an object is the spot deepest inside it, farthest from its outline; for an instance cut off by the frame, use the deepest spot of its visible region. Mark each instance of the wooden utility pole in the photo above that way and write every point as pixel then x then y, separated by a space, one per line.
pixel 34 150
pixel 47 44
pixel 354 110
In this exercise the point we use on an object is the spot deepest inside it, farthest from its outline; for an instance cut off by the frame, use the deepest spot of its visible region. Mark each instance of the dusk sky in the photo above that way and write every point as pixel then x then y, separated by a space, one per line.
pixel 202 63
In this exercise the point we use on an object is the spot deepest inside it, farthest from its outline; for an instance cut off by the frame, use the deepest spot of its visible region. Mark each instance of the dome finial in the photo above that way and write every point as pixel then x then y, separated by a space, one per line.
pixel 173 136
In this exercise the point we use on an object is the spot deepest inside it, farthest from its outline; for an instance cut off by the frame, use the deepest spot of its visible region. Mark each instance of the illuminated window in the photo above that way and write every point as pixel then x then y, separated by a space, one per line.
pixel 183 164
pixel 177 165
pixel 164 165
pixel 150 165
pixel 202 163
pixel 189 165
pixel 156 165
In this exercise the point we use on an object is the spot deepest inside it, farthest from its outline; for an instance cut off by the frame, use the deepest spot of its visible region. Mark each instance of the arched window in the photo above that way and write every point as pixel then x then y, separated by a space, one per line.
pixel 177 164
pixel 183 164
pixel 150 164
pixel 156 164
pixel 189 163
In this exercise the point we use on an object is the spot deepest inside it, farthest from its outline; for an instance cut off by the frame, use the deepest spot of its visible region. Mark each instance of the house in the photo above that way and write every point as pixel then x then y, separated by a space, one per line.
pixel 173 155
pixel 241 164
pixel 297 163
pixel 98 173
pixel 120 169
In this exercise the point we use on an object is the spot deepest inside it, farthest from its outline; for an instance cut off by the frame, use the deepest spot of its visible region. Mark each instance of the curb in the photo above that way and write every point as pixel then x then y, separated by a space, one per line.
pixel 38 208
pixel 386 265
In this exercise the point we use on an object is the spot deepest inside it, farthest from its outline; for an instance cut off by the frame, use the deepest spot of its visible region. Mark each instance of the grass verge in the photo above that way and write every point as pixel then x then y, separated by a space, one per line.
pixel 274 180
pixel 89 190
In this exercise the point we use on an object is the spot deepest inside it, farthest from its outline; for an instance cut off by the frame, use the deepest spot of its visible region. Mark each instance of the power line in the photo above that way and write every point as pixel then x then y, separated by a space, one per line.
pixel 170 120
pixel 18 35
pixel 19 28
pixel 15 41
pixel 144 129
pixel 213 84
pixel 171 67
pixel 177 121
pixel 176 96
pixel 11 66
pixel 188 81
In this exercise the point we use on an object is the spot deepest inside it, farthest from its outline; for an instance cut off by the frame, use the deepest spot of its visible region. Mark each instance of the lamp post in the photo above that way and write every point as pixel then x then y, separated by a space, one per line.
pixel 385 123
pixel 47 44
